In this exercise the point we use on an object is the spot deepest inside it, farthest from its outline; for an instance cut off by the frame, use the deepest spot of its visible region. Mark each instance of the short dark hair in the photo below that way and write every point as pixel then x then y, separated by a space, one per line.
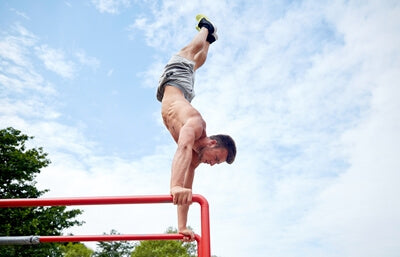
pixel 226 142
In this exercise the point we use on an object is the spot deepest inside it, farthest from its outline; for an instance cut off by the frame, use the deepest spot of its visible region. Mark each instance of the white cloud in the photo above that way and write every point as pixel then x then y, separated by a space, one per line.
pixel 111 6
pixel 16 69
pixel 13 46
pixel 360 208
pixel 55 60
pixel 91 62
pixel 21 14
pixel 34 107
pixel 358 214
pixel 155 31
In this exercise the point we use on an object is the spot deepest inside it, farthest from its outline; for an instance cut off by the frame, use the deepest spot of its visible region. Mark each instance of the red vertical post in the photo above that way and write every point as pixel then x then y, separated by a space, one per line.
pixel 204 244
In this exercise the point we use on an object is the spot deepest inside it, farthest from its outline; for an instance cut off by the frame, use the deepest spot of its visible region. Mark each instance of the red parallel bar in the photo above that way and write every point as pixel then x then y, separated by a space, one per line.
pixel 32 202
pixel 203 244
pixel 97 238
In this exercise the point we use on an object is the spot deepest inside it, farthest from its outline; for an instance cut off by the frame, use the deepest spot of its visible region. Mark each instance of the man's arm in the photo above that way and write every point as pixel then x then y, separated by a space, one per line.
pixel 181 164
pixel 184 209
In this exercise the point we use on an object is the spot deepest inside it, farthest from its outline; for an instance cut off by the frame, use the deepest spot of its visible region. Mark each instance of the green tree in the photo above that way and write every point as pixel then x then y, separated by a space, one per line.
pixel 114 248
pixel 18 169
pixel 165 248
pixel 76 250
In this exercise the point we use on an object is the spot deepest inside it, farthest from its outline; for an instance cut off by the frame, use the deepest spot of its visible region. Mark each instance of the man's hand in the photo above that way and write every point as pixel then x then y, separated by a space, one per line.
pixel 188 235
pixel 181 195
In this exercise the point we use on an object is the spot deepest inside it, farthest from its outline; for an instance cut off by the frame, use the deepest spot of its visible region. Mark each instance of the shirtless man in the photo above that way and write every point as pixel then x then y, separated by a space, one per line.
pixel 185 123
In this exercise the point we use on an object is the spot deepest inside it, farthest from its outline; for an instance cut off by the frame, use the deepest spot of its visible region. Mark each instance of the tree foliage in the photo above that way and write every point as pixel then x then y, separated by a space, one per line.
pixel 75 250
pixel 148 248
pixel 18 169
pixel 114 248
pixel 165 248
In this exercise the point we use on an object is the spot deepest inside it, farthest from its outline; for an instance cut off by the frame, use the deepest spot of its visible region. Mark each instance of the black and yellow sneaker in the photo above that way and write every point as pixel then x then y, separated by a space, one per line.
pixel 203 21
pixel 211 38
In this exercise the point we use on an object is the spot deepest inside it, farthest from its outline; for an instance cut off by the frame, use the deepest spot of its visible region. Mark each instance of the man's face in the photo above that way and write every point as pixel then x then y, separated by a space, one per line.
pixel 213 155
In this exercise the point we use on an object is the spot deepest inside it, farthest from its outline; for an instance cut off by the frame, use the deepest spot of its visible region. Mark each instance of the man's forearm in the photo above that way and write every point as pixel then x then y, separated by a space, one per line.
pixel 180 165
pixel 182 216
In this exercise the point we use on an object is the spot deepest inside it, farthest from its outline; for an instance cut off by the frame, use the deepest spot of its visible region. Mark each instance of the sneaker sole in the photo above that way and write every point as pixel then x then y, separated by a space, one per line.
pixel 215 35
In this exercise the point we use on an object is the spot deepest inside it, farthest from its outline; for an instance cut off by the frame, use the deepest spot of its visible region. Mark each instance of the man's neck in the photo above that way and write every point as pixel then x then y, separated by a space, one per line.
pixel 200 144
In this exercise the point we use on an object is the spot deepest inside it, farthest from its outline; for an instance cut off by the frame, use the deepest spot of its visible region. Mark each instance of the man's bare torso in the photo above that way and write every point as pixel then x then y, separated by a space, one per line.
pixel 178 112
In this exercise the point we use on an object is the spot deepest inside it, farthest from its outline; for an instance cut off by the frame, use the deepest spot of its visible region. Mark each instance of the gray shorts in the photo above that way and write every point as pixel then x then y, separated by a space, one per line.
pixel 179 72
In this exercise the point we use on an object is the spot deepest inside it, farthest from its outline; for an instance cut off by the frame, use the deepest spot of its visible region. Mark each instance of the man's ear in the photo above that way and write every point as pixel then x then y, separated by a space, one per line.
pixel 212 143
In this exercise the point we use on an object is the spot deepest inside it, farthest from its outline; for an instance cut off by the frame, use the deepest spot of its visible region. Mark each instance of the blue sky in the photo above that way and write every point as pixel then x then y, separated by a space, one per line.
pixel 308 89
pixel 97 68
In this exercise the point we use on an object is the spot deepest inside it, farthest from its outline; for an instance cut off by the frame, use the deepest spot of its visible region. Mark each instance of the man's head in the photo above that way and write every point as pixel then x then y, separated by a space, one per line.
pixel 225 141
pixel 220 148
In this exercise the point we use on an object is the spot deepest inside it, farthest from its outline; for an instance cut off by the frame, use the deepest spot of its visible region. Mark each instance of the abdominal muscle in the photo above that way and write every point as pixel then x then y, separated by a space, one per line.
pixel 177 111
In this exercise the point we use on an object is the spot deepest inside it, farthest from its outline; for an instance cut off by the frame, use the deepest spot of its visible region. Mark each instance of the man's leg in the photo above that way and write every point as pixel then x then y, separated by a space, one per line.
pixel 197 49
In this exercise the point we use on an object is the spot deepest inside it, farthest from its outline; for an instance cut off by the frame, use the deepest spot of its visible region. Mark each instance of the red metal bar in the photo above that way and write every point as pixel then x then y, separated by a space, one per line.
pixel 203 241
pixel 32 202
pixel 89 238
pixel 204 244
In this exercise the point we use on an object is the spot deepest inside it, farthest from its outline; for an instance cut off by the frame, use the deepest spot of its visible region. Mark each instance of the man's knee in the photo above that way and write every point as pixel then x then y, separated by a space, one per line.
pixel 186 53
pixel 191 50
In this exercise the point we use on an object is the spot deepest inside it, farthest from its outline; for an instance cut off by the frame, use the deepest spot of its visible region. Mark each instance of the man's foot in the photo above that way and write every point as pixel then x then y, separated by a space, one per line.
pixel 211 38
pixel 203 21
